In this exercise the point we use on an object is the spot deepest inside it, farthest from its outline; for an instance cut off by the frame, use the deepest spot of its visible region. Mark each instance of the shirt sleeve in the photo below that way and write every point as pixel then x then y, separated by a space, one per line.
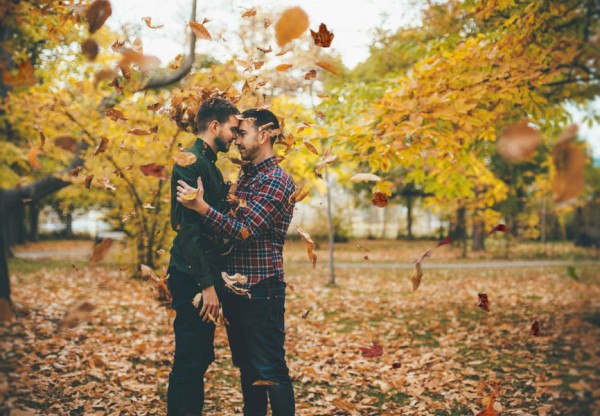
pixel 264 208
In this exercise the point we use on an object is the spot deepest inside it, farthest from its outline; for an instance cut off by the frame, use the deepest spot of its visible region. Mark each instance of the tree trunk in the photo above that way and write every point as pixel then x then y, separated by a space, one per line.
pixel 409 217
pixel 34 222
pixel 460 232
pixel 478 242
pixel 331 232
pixel 69 225
pixel 4 252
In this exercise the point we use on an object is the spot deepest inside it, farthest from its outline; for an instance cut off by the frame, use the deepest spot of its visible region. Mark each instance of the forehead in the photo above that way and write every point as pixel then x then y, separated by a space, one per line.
pixel 246 124
pixel 233 121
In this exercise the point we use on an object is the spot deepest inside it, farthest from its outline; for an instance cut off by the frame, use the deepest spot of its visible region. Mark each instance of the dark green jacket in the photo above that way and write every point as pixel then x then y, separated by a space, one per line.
pixel 196 250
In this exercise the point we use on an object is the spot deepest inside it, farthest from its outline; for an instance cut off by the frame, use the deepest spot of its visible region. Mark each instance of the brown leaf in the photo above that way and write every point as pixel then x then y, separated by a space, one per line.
pixel 6 313
pixel 184 158
pixel 75 171
pixel 137 45
pixel 297 192
pixel 77 314
pixel 489 408
pixel 310 245
pixel 328 160
pixel 500 227
pixel 569 160
pixel 97 13
pixel 145 63
pixel 305 314
pixel 372 352
pixel 323 37
pixel 200 31
pixel 154 107
pixel 380 199
pixel 88 181
pixel 140 132
pixel 117 45
pixel 518 142
pixel 105 182
pixel 152 169
pixel 291 25
pixel 483 302
pixel 66 143
pixel 114 114
pixel 32 155
pixel 103 75
pixel 535 329
pixel 310 74
pixel 148 21
pixel 265 383
pixel 101 250
pixel 416 279
pixel 24 76
pixel 102 146
pixel 328 67
pixel 267 50
pixel 249 13
pixel 283 67
pixel 267 22
pixel 146 272
pixel 90 49
pixel 363 248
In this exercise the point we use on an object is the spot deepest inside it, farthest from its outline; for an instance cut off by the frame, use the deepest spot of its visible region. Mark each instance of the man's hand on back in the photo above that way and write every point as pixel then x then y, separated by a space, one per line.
pixel 210 304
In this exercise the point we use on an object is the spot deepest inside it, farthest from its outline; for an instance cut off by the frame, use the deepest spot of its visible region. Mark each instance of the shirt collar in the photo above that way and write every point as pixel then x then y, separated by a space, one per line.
pixel 206 149
pixel 252 169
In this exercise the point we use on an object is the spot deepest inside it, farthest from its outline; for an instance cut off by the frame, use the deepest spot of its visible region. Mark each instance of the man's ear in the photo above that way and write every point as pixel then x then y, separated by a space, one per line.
pixel 214 126
pixel 264 136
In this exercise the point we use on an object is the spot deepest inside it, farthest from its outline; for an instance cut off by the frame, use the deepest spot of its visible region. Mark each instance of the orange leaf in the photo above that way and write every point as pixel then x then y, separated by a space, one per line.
pixel 102 146
pixel 310 74
pixel 32 155
pixel 311 146
pixel 323 37
pixel 329 67
pixel 200 31
pixel 297 192
pixel 568 180
pixel 372 352
pixel 416 279
pixel 101 250
pixel 144 62
pixel 249 13
pixel 148 21
pixel 518 142
pixel 66 143
pixel 140 132
pixel 24 76
pixel 154 107
pixel 283 67
pixel 380 199
pixel 114 114
pixel 88 181
pixel 310 245
pixel 291 25
pixel 184 158
pixel 265 383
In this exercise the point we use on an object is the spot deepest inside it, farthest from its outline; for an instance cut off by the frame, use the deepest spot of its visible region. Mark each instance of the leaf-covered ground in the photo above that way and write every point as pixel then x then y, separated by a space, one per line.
pixel 442 354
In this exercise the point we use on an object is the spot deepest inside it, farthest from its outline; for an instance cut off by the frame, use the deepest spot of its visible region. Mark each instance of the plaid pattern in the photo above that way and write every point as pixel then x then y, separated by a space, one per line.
pixel 259 228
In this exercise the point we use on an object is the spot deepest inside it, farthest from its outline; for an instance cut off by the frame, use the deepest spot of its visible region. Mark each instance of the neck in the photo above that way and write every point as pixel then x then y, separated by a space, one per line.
pixel 263 156
pixel 209 140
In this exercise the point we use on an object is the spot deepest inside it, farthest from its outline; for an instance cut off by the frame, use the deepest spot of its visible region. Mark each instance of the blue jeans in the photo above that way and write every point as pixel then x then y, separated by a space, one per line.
pixel 256 337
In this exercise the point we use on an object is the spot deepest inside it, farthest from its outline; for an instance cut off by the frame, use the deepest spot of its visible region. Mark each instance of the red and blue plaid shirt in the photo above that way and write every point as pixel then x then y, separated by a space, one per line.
pixel 260 227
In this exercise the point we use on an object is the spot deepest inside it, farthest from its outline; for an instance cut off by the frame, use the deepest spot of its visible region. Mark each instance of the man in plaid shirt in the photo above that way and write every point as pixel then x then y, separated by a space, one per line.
pixel 259 225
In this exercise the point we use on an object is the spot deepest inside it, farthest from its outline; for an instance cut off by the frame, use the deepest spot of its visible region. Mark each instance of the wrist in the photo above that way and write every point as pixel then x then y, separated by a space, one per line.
pixel 202 208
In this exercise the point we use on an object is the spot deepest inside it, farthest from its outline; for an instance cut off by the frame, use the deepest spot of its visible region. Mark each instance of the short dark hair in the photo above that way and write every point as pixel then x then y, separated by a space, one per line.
pixel 263 120
pixel 218 108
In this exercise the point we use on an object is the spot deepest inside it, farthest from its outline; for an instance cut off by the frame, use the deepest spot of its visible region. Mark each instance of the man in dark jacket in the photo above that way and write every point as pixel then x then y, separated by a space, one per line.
pixel 197 259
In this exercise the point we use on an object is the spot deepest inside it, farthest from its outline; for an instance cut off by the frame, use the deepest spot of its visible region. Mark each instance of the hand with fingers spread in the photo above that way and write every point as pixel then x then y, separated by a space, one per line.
pixel 197 204
pixel 210 304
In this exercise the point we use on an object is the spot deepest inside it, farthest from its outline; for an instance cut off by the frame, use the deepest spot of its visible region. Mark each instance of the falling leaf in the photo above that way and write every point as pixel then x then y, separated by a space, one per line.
pixel 140 132
pixel 500 227
pixel 68 143
pixel 518 142
pixel 154 107
pixel 160 251
pixel 101 250
pixel 114 114
pixel 200 31
pixel 320 115
pixel 372 352
pixel 145 63
pixel 258 64
pixel 311 147
pixel 75 171
pixel 365 177
pixel 88 181
pixel 326 161
pixel 197 299
pixel 323 37
pixel 287 48
pixel 146 272
pixel 363 248
pixel 148 21
pixel 310 74
pixel 267 22
pixel 267 50
pixel 310 245
pixel 305 314
pixel 291 25
pixel 416 279
pixel 328 67
pixel 24 76
pixel 569 160
pixel 105 182
pixel 568 133
pixel 445 241
pixel 148 206
pixel 78 313
pixel 489 408
pixel 249 13
pixel 483 302
pixel 283 67
pixel 32 155
pixel 397 365
pixel 152 169
pixel 296 192
pixel 535 329
pixel 102 146
pixel 117 45
pixel 265 383
pixel 90 49
pixel 97 13
pixel 380 199
pixel 185 158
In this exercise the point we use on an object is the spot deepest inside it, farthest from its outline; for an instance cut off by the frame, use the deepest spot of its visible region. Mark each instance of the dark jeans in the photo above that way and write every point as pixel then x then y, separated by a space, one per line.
pixel 256 338
pixel 194 350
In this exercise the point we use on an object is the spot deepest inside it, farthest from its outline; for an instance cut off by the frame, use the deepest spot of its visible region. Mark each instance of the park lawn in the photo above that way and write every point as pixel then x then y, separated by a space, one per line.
pixel 442 354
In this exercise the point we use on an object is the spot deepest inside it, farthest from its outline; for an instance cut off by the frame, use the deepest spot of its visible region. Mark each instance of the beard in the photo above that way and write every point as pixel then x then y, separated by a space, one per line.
pixel 222 144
